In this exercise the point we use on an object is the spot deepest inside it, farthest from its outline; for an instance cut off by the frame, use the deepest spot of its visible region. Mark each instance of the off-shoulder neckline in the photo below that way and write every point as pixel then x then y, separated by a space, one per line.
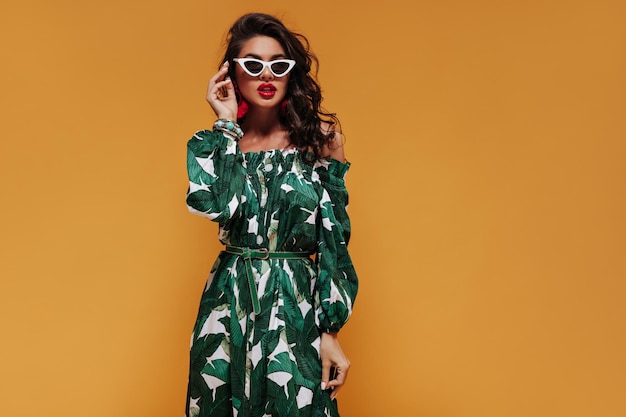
pixel 283 151
pixel 287 151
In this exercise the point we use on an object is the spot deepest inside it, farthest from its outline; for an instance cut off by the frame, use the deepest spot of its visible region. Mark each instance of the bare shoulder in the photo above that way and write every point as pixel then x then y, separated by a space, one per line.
pixel 335 148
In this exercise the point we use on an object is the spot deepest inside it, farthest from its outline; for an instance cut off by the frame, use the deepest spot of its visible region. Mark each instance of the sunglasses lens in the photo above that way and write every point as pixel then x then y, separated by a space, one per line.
pixel 280 67
pixel 254 67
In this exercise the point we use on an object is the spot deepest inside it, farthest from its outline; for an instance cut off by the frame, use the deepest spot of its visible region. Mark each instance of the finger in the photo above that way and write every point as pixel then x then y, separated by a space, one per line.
pixel 223 71
pixel 336 386
pixel 339 381
pixel 225 84
pixel 223 90
pixel 325 375
pixel 229 86
pixel 219 76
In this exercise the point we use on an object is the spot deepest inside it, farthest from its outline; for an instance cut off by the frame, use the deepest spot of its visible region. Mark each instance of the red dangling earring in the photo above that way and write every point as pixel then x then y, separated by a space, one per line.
pixel 283 107
pixel 242 107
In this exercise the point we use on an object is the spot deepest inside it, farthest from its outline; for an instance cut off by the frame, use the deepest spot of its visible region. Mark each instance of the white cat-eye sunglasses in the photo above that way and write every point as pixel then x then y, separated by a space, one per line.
pixel 255 67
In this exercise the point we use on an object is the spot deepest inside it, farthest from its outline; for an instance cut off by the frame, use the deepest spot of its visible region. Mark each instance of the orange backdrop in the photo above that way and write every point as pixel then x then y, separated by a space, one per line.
pixel 487 195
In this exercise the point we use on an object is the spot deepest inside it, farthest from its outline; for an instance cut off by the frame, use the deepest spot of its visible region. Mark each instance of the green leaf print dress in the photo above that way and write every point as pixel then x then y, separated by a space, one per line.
pixel 253 364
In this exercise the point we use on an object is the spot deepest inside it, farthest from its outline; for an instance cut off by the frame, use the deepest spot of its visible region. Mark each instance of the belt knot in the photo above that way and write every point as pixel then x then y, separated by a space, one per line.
pixel 248 254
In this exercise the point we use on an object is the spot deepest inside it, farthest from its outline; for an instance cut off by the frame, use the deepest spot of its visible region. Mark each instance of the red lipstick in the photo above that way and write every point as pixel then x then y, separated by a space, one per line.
pixel 267 90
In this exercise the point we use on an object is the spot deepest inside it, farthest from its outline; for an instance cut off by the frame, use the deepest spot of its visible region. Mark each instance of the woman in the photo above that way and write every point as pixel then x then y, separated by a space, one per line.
pixel 270 173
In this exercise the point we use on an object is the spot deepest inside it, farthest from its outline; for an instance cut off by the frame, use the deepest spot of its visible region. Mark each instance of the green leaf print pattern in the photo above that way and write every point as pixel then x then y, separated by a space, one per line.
pixel 244 364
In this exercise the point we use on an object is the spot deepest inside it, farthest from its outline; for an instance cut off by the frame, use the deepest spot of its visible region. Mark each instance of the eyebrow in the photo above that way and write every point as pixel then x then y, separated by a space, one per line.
pixel 251 55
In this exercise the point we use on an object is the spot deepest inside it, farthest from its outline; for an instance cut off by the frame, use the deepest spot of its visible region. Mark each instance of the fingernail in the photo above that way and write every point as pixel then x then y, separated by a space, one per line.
pixel 323 386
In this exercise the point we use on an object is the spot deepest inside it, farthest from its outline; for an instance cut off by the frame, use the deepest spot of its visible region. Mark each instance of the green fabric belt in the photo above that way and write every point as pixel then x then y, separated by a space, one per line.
pixel 248 254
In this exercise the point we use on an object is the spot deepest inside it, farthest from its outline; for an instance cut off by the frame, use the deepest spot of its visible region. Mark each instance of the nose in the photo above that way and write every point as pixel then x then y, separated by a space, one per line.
pixel 266 75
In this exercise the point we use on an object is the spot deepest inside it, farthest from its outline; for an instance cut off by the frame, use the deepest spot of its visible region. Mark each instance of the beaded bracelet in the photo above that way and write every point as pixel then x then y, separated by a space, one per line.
pixel 229 127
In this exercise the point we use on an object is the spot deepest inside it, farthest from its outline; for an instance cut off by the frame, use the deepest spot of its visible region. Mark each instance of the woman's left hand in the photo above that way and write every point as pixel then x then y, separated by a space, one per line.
pixel 221 94
pixel 332 356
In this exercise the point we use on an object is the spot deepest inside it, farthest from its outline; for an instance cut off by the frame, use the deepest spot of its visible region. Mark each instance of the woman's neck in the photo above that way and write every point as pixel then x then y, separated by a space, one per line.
pixel 263 131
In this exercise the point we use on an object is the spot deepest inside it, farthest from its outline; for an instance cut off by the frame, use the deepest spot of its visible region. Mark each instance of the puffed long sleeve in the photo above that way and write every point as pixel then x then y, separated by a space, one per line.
pixel 215 166
pixel 337 282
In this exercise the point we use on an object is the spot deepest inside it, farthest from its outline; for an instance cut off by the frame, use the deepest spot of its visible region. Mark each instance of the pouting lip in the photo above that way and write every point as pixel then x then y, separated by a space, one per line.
pixel 266 87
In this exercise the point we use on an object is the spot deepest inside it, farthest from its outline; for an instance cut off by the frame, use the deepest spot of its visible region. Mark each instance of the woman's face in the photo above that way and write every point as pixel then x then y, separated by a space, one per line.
pixel 265 90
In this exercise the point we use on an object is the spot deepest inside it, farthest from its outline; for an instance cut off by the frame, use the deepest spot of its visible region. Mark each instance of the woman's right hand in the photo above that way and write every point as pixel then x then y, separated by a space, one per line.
pixel 331 356
pixel 221 94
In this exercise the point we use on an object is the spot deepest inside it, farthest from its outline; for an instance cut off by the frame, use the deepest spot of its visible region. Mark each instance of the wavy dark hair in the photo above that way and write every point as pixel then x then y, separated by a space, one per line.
pixel 304 115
